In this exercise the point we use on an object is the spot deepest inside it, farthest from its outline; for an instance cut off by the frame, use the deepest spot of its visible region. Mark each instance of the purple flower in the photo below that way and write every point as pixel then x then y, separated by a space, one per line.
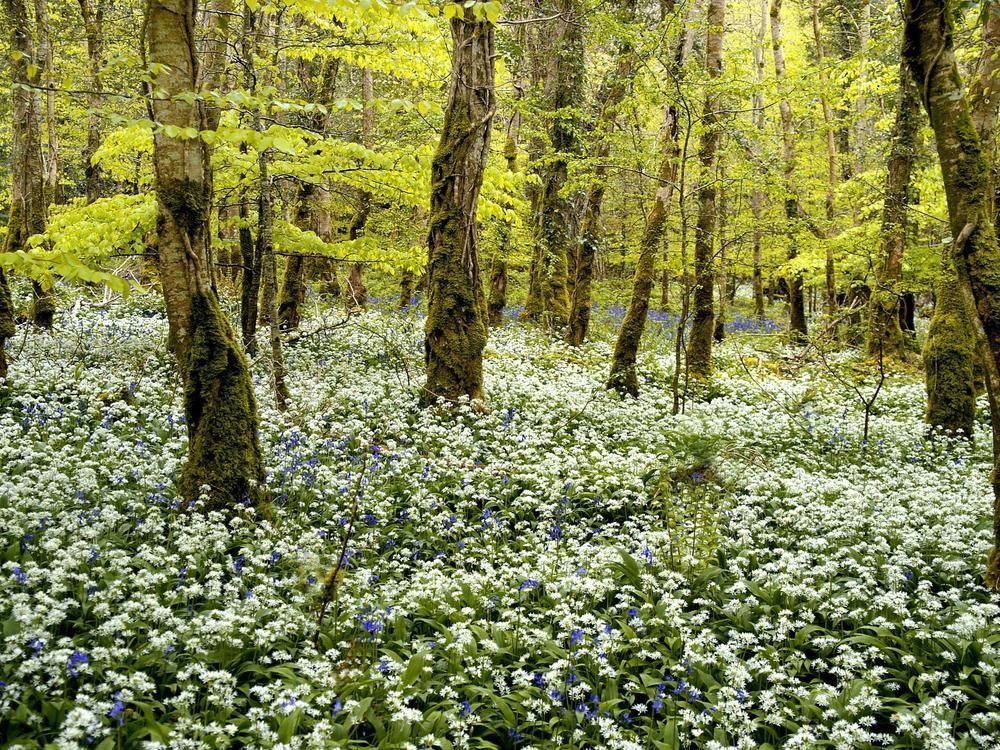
pixel 576 637
pixel 20 576
pixel 117 709
pixel 528 583
pixel 76 660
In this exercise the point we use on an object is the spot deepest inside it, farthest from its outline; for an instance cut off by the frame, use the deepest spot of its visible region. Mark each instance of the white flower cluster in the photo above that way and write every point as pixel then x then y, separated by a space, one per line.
pixel 569 568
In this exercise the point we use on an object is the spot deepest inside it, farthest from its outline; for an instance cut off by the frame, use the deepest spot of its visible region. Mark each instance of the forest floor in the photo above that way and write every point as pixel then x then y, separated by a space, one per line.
pixel 570 569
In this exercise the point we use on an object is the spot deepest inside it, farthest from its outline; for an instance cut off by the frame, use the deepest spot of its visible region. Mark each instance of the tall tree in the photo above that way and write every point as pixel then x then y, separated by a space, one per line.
pixel 219 404
pixel 831 159
pixel 357 292
pixel 93 24
pixel 609 96
pixel 622 377
pixel 455 331
pixel 884 334
pixel 28 199
pixel 47 62
pixel 757 198
pixel 929 51
pixel 555 209
pixel 699 352
pixel 796 299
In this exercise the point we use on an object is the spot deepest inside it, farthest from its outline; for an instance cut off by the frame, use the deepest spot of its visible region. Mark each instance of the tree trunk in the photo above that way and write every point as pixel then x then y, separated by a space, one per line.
pixel 885 337
pixel 93 23
pixel 623 376
pixel 757 199
pixel 831 163
pixel 929 52
pixel 28 199
pixel 796 300
pixel 455 330
pixel 555 210
pixel 219 403
pixel 498 293
pixel 265 243
pixel 45 58
pixel 357 293
pixel 609 97
pixel 699 350
pixel 722 277
pixel 293 288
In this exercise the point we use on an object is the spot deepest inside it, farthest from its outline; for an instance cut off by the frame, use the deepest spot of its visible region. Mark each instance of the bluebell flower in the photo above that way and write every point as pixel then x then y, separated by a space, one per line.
pixel 20 576
pixel 118 709
pixel 576 637
pixel 528 583
pixel 464 708
pixel 76 660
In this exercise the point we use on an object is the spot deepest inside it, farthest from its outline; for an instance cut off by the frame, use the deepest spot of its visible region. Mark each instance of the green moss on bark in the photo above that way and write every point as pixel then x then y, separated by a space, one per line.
pixel 948 362
pixel 224 451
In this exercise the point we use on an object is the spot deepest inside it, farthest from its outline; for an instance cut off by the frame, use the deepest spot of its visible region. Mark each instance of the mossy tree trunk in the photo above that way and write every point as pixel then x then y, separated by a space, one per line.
pixel 796 298
pixel 265 243
pixel 555 210
pixel 28 189
pixel 885 337
pixel 949 357
pixel 223 448
pixel 609 96
pixel 757 198
pixel 455 330
pixel 320 85
pixel 294 283
pixel 831 162
pixel 93 24
pixel 928 50
pixel 699 350
pixel 623 377
pixel 47 63
pixel 357 293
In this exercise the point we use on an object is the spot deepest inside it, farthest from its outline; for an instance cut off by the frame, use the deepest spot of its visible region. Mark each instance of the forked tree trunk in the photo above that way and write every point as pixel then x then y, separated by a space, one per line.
pixel 928 49
pixel 699 351
pixel 796 299
pixel 219 403
pixel 609 97
pixel 455 330
pixel 885 337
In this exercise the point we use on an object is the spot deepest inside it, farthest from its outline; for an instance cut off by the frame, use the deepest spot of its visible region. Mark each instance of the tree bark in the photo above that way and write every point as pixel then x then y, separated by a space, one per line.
pixel 357 293
pixel 219 403
pixel 699 350
pixel 93 24
pixel 45 59
pixel 28 189
pixel 622 377
pixel 885 337
pixel 757 199
pixel 609 97
pixel 831 162
pixel 557 240
pixel 928 50
pixel 796 299
pixel 455 330
pixel 265 243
